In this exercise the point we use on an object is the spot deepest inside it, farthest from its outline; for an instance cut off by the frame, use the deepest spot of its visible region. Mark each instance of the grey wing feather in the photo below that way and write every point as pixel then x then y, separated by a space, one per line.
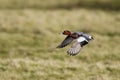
pixel 65 42
pixel 86 36
pixel 75 49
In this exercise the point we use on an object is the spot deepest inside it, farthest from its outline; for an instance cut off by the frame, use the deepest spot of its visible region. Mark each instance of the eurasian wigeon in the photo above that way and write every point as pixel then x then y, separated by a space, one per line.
pixel 79 39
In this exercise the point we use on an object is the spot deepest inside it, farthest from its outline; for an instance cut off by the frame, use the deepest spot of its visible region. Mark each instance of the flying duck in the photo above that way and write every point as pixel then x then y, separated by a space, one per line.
pixel 79 40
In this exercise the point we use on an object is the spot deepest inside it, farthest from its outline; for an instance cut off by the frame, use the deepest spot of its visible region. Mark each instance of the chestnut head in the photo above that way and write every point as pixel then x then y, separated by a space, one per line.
pixel 66 32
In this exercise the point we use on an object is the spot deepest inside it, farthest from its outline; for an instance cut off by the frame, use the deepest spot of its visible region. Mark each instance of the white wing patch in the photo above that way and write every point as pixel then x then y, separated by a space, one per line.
pixel 81 39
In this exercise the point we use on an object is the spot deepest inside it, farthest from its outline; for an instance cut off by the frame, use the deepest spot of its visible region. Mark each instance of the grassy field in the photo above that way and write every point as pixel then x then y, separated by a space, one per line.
pixel 28 40
pixel 58 4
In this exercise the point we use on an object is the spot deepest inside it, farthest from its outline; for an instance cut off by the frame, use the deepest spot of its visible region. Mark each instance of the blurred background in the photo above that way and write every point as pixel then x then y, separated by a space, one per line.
pixel 29 34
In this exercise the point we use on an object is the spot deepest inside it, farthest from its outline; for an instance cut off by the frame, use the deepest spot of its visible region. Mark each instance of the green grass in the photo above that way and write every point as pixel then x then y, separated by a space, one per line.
pixel 56 4
pixel 29 36
pixel 28 40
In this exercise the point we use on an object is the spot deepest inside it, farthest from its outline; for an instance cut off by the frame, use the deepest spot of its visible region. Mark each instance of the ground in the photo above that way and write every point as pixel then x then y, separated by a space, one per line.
pixel 28 40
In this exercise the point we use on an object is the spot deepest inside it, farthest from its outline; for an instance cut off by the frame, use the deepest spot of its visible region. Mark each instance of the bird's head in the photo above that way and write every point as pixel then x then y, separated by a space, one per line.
pixel 66 32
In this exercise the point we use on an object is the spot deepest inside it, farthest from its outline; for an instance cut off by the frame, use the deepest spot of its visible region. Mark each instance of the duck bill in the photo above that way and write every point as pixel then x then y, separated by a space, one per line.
pixel 60 33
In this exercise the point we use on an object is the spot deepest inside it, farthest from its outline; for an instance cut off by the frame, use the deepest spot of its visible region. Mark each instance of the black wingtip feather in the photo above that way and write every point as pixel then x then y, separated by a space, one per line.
pixel 60 46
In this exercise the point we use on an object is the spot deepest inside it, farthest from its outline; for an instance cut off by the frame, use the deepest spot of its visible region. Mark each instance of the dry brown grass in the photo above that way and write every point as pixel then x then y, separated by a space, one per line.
pixel 57 4
pixel 28 39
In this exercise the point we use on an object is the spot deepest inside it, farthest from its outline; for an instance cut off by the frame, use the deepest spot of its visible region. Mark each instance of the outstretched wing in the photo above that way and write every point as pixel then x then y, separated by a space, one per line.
pixel 75 48
pixel 65 42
